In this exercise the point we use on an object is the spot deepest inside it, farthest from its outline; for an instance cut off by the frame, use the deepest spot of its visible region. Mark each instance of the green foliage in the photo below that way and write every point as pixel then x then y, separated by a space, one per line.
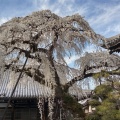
pixel 105 107
pixel 116 71
pixel 108 109
pixel 92 117
pixel 94 102
pixel 102 91
pixel 114 96
pixel 71 104
pixel 117 85
pixel 96 75
pixel 118 115
pixel 101 74
pixel 95 97
pixel 110 115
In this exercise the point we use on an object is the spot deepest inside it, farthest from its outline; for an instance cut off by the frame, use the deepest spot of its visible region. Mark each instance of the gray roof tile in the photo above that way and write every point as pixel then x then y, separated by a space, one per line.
pixel 31 89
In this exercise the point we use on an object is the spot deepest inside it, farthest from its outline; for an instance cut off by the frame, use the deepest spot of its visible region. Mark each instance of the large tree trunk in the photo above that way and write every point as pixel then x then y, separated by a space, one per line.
pixel 54 101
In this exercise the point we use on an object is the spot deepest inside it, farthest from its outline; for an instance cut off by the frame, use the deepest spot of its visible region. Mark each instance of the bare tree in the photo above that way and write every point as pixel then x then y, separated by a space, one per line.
pixel 46 39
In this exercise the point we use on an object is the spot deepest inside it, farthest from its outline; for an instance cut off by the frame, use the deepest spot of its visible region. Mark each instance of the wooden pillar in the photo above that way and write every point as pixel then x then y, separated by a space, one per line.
pixel 12 113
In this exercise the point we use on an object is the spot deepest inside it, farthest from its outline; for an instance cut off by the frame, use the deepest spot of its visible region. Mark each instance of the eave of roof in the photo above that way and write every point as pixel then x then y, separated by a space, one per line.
pixel 32 89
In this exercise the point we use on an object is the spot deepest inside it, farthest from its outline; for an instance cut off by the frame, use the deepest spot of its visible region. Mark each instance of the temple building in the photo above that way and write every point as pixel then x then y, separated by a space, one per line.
pixel 24 103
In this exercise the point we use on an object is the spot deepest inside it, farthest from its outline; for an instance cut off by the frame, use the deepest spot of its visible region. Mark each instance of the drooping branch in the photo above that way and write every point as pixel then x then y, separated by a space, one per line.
pixel 53 45
pixel 44 37
pixel 31 72
pixel 54 37
pixel 83 76
pixel 93 63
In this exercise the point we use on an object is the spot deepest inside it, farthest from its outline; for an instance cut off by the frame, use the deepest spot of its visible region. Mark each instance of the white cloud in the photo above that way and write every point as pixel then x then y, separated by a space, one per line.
pixel 113 29
pixel 3 20
pixel 61 1
pixel 107 21
pixel 64 1
pixel 109 14
pixel 61 7
pixel 102 17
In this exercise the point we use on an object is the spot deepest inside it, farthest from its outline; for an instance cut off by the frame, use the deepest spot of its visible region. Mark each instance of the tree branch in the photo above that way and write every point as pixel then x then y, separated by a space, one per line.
pixel 53 45
pixel 37 75
pixel 112 43
pixel 83 76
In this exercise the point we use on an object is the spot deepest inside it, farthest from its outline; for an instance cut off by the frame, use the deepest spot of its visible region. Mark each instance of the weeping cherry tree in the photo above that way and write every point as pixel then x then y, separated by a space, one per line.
pixel 46 40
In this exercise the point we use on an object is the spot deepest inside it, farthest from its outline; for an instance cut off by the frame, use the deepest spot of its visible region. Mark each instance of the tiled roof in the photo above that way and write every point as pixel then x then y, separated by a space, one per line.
pixel 32 89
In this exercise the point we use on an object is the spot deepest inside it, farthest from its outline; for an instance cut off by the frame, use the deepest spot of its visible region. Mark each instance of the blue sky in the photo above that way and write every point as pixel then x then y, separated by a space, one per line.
pixel 102 15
